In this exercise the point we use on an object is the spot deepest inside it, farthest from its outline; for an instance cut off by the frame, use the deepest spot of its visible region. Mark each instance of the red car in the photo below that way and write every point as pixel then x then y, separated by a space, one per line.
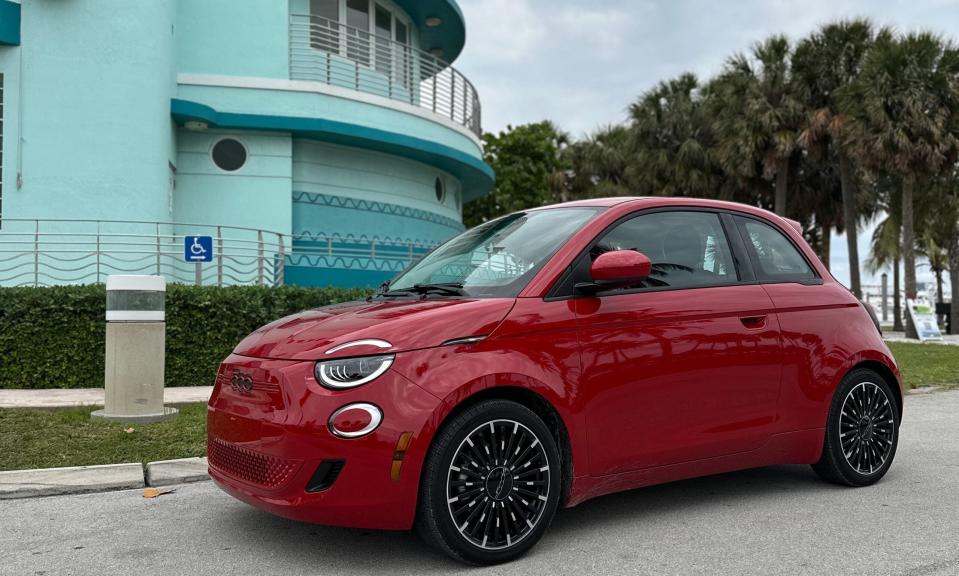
pixel 552 356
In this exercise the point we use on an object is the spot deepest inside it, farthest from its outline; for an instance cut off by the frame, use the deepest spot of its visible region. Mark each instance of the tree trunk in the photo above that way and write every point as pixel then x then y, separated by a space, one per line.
pixel 909 248
pixel 851 215
pixel 954 278
pixel 939 294
pixel 782 174
pixel 896 302
pixel 824 244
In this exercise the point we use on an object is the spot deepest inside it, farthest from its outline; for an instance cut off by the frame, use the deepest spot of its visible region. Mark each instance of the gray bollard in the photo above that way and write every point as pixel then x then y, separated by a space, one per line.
pixel 135 350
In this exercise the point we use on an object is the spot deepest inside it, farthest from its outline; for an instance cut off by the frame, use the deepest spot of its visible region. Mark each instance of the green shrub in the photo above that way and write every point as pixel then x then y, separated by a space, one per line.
pixel 54 337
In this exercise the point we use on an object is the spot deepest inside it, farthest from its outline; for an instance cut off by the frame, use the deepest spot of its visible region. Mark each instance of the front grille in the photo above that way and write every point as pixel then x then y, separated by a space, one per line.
pixel 224 380
pixel 250 466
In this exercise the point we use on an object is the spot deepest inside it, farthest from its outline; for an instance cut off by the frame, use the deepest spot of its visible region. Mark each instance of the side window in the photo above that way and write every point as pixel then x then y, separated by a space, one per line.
pixel 775 258
pixel 688 249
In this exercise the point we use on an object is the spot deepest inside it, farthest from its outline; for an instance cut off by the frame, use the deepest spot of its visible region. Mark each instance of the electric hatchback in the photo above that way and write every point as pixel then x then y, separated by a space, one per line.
pixel 552 356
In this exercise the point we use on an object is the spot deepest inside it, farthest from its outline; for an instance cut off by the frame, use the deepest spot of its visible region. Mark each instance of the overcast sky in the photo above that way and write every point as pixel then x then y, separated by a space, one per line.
pixel 580 63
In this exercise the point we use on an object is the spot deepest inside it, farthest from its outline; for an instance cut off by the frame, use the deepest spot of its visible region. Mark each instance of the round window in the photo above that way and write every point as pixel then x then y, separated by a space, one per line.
pixel 440 190
pixel 229 154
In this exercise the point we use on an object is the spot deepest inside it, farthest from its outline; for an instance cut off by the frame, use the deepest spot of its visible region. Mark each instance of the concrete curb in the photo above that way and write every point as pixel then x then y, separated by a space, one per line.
pixel 101 478
pixel 75 480
pixel 181 471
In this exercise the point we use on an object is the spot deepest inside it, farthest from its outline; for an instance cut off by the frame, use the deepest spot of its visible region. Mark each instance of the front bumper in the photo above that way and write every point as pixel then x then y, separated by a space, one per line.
pixel 265 445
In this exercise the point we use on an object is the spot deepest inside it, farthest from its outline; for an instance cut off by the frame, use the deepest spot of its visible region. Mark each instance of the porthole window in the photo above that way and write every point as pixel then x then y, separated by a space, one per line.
pixel 440 190
pixel 229 154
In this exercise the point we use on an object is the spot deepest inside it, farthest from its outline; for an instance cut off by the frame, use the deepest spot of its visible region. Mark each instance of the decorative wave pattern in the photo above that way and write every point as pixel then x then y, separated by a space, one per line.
pixel 345 263
pixel 376 207
pixel 321 237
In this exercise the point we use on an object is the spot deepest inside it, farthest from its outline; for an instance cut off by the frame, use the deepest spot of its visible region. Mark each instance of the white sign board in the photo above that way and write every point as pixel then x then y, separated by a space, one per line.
pixel 924 319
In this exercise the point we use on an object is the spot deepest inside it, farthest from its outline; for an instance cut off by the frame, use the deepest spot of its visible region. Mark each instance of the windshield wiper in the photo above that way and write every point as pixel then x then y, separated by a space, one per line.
pixel 447 288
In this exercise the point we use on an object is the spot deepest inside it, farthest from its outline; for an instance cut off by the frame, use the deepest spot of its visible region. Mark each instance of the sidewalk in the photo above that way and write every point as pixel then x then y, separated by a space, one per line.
pixel 91 397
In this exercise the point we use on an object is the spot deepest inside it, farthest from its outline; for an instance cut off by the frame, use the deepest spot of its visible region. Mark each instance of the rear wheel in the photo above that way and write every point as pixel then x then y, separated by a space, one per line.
pixel 490 484
pixel 862 432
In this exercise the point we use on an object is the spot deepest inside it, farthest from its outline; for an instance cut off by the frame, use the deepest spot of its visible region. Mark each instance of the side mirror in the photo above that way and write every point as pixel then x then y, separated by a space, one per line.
pixel 617 268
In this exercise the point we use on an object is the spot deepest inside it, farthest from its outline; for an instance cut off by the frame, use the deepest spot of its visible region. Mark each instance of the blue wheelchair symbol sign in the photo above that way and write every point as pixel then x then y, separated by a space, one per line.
pixel 198 248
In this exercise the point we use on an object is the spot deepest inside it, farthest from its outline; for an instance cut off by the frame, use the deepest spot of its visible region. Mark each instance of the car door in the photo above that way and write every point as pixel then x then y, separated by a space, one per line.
pixel 686 365
pixel 813 317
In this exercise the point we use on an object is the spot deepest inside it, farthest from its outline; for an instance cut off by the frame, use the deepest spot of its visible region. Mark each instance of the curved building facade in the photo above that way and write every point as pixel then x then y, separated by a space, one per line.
pixel 339 127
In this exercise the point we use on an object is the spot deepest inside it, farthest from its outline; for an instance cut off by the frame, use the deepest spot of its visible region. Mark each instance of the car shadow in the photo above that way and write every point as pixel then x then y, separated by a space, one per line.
pixel 374 552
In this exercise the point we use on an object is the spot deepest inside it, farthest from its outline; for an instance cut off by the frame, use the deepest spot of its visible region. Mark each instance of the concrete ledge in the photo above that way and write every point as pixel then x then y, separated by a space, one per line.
pixel 167 472
pixel 64 398
pixel 76 480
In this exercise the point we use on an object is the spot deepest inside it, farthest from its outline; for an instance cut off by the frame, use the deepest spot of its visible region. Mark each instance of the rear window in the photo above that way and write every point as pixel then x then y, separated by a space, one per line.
pixel 774 256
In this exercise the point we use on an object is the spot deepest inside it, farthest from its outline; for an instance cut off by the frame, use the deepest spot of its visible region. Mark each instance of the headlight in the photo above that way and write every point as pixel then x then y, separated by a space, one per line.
pixel 351 372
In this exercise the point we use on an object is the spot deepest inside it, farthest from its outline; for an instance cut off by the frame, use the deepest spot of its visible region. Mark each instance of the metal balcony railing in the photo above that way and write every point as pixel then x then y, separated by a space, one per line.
pixel 327 51
pixel 55 252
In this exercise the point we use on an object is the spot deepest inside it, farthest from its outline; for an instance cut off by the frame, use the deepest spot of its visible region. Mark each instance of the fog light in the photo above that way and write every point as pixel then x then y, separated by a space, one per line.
pixel 355 420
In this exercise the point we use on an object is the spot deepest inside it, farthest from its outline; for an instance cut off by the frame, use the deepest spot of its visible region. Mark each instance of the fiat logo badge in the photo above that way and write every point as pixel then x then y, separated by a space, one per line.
pixel 241 382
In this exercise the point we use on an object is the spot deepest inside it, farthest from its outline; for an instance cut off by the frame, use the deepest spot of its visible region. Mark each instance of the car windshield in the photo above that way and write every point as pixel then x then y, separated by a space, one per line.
pixel 495 259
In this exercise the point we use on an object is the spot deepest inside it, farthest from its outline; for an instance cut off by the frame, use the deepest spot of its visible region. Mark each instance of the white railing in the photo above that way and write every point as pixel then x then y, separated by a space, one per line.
pixel 35 252
pixel 50 252
pixel 327 51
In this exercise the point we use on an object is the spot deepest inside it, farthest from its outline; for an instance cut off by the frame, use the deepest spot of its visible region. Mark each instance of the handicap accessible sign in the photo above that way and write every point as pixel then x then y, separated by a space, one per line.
pixel 198 248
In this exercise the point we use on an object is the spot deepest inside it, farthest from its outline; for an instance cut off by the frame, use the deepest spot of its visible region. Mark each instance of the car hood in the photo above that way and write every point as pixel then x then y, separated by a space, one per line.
pixel 406 324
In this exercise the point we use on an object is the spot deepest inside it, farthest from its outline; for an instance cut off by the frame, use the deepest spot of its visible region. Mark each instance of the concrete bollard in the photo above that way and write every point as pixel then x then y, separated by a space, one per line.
pixel 135 350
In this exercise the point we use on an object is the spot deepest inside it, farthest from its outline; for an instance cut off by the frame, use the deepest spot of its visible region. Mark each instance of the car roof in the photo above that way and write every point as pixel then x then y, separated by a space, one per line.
pixel 652 201
pixel 594 202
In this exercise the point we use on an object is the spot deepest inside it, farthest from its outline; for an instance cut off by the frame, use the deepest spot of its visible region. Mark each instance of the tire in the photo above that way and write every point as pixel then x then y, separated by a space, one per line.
pixel 469 507
pixel 862 431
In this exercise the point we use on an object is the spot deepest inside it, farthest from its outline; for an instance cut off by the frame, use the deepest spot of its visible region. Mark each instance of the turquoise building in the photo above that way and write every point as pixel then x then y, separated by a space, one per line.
pixel 318 141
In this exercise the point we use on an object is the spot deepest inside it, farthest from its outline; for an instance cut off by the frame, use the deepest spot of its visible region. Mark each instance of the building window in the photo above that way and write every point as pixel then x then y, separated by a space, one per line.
pixel 364 31
pixel 357 32
pixel 325 25
pixel 229 154
pixel 440 188
pixel 384 31
pixel 403 56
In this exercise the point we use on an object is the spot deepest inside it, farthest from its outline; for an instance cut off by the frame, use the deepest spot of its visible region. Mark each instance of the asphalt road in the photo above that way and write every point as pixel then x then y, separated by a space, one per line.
pixel 778 521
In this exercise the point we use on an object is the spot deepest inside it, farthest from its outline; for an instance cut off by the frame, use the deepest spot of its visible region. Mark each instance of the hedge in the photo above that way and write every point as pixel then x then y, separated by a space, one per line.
pixel 54 337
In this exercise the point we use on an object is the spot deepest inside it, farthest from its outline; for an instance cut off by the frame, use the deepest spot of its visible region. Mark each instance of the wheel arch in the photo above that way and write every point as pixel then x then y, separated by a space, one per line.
pixel 540 406
pixel 888 375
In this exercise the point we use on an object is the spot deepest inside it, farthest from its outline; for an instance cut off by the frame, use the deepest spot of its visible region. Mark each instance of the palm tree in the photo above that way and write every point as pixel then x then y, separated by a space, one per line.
pixel 902 119
pixel 823 63
pixel 886 252
pixel 936 257
pixel 817 201
pixel 671 139
pixel 598 164
pixel 758 115
pixel 940 240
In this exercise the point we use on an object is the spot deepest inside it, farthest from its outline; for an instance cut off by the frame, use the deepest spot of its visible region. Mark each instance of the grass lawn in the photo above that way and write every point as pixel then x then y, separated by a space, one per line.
pixel 926 364
pixel 67 437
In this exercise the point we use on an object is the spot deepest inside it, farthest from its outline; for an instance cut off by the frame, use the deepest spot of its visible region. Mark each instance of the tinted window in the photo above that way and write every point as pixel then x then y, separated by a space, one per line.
pixel 775 258
pixel 688 249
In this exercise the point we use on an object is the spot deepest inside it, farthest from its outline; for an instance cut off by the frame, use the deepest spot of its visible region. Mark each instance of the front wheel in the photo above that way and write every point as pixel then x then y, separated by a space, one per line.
pixel 491 484
pixel 862 432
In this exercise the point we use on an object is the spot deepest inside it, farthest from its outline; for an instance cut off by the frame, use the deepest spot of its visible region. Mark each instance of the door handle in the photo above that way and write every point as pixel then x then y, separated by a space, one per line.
pixel 753 322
